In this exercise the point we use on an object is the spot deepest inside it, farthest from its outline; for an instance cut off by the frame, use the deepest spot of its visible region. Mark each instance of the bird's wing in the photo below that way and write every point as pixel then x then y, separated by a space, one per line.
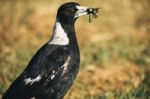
pixel 45 65
pixel 48 62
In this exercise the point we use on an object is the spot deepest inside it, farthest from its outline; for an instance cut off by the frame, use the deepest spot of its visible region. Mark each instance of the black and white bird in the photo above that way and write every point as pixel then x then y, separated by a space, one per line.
pixel 52 70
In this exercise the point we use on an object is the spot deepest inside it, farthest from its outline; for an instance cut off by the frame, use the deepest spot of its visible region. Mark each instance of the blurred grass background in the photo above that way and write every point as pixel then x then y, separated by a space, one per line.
pixel 115 47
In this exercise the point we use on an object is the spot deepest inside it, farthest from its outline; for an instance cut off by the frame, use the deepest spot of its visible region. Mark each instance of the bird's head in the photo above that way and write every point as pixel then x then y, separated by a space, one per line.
pixel 69 12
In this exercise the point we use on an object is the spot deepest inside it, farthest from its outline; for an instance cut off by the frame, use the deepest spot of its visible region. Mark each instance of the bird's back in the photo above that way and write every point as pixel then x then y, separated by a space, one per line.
pixel 56 66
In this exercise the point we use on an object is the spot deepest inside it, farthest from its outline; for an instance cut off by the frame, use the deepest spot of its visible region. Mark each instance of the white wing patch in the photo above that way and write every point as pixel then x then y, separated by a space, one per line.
pixel 59 35
pixel 33 98
pixel 65 65
pixel 31 81
pixel 53 74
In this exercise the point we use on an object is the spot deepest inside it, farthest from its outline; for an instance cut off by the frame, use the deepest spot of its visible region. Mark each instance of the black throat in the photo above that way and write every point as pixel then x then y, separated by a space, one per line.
pixel 69 28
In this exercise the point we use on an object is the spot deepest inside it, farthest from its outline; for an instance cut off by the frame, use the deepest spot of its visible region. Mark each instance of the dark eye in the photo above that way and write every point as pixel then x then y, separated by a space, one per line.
pixel 70 11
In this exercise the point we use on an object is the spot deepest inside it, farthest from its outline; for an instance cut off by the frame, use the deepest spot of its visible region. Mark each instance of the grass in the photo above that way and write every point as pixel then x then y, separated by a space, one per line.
pixel 115 48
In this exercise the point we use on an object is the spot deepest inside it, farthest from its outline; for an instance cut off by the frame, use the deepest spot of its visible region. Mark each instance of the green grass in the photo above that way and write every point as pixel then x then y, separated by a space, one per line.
pixel 101 53
pixel 118 37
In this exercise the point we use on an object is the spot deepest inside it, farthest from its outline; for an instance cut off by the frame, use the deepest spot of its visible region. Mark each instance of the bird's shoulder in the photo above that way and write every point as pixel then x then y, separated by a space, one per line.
pixel 48 59
pixel 49 53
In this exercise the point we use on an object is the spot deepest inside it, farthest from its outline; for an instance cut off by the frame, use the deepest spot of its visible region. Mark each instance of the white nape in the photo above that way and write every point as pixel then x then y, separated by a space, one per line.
pixel 31 81
pixel 59 36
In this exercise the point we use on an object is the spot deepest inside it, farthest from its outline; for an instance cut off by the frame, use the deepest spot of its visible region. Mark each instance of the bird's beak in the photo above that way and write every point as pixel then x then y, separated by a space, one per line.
pixel 81 10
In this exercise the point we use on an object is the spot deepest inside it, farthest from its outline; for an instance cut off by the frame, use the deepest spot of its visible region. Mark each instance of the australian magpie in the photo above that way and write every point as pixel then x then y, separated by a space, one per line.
pixel 52 70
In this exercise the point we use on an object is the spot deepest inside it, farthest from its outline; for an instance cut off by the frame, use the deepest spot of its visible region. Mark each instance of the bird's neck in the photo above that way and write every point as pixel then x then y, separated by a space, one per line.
pixel 59 36
pixel 63 34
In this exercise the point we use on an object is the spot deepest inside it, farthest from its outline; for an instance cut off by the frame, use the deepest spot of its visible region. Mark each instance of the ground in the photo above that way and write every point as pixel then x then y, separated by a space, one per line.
pixel 114 48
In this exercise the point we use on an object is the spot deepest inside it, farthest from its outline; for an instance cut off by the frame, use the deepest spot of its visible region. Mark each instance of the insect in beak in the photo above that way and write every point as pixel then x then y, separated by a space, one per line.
pixel 92 12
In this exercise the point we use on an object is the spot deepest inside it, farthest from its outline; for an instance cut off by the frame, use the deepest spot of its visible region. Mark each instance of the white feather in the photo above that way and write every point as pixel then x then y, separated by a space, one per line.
pixel 33 98
pixel 66 64
pixel 31 81
pixel 59 35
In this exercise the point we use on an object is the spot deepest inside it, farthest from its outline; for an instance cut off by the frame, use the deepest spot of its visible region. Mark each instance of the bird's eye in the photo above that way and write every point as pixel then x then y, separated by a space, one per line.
pixel 70 12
